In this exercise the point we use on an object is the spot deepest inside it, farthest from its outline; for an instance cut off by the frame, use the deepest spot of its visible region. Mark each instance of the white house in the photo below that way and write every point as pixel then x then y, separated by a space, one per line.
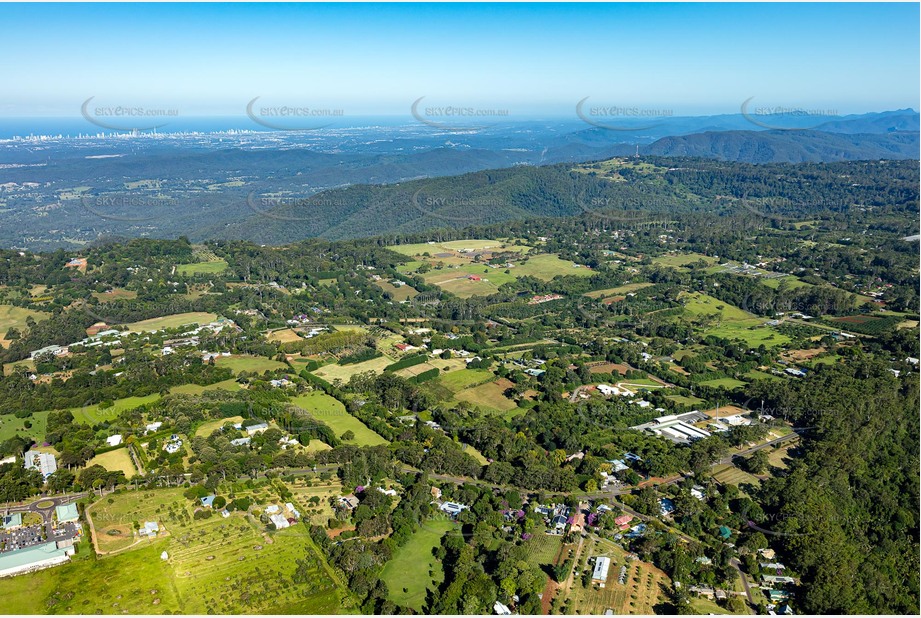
pixel 114 440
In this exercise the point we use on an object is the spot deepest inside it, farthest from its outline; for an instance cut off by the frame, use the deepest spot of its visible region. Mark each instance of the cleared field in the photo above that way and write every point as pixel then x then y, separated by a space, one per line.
pixel 172 321
pixel 456 381
pixel 113 461
pixel 685 401
pixel 398 293
pixel 727 383
pixel 778 457
pixel 489 396
pixel 644 586
pixel 475 244
pixel 15 317
pixel 90 415
pixel 330 411
pixel 677 260
pixel 754 374
pixel 407 573
pixel 197 389
pixel 344 372
pixel 28 364
pixel 728 321
pixel 624 289
pixel 220 565
pixel 115 294
pixel 313 500
pixel 285 335
pixel 728 474
pixel 209 427
pixel 475 454
pixel 202 268
pixel 253 364
pixel 11 426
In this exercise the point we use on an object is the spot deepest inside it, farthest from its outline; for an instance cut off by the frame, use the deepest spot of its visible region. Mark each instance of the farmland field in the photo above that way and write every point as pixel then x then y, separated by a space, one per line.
pixel 172 321
pixel 644 587
pixel 399 293
pixel 407 573
pixel 213 563
pixel 677 260
pixel 728 474
pixel 725 320
pixel 330 411
pixel 727 383
pixel 119 459
pixel 253 364
pixel 285 335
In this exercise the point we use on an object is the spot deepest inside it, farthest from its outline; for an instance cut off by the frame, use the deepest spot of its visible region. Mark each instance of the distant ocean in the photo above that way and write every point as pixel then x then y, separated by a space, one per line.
pixel 73 127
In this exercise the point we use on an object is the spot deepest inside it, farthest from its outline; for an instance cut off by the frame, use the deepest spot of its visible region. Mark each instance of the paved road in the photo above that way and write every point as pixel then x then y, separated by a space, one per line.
pixel 748 592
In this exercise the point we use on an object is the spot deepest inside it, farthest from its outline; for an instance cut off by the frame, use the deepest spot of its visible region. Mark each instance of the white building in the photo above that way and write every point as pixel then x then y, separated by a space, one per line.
pixel 280 522
pixel 114 440
pixel 600 574
pixel 43 462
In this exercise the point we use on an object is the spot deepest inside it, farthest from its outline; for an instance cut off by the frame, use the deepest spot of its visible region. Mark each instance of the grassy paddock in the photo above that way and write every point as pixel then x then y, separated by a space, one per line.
pixel 330 411
pixel 414 570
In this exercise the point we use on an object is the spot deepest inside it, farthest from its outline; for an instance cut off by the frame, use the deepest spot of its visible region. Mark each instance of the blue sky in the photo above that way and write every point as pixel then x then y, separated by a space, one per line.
pixel 537 59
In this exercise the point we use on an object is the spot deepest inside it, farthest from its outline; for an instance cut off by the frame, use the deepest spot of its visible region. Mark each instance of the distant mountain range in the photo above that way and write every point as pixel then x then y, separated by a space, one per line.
pixel 66 192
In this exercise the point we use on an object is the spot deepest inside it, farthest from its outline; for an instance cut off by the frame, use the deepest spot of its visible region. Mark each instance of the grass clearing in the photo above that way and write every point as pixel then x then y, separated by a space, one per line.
pixel 15 317
pixel 252 364
pixel 285 335
pixel 413 570
pixel 624 289
pixel 345 372
pixel 172 321
pixel 203 268
pixel 330 411
pixel 113 461
pixel 489 396
pixel 91 415
pixel 399 293
pixel 728 474
pixel 11 426
pixel 727 383
pixel 678 260
pixel 197 389
pixel 206 429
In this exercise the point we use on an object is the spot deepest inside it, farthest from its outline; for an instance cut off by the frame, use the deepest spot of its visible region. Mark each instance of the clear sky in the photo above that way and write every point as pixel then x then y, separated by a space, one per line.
pixel 536 59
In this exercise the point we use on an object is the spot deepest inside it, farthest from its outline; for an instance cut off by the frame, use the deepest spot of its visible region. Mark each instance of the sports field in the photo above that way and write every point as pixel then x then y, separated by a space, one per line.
pixel 414 569
pixel 330 411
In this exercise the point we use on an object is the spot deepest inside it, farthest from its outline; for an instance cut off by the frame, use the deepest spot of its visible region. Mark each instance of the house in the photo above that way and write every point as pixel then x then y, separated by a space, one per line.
pixel 785 610
pixel 272 509
pixel 698 492
pixel 666 506
pixel 725 533
pixel 600 572
pixel 114 440
pixel 280 521
pixel 767 553
pixel 173 445
pixel 241 442
pixel 387 492
pixel 43 462
pixel 208 501
pixel 474 278
pixel 774 566
pixel 618 465
pixel 225 513
pixel 777 579
pixel 703 560
pixel 149 529
pixel 349 501
pixel 607 390
pixel 453 508
pixel 66 513
pixel 795 372
pixel 501 609
pixel 11 521
pixel 288 441
pixel 292 510
pixel 578 522
pixel 436 493
pixel 281 383
pixel 257 428
pixel 623 521
pixel 152 427
pixel 535 372
pixel 559 524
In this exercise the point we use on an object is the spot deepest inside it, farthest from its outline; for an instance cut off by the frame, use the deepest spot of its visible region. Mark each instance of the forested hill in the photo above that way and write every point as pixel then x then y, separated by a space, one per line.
pixel 782 146
pixel 611 189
